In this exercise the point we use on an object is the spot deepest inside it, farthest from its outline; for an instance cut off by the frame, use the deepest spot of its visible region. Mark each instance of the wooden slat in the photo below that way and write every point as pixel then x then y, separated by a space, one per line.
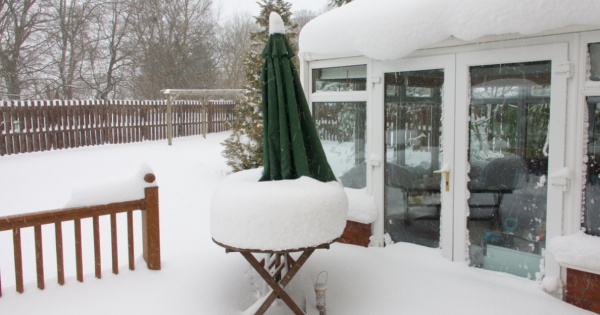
pixel 113 238
pixel 52 216
pixel 3 127
pixel 78 251
pixel 71 124
pixel 60 266
pixel 18 260
pixel 74 124
pixel 97 254
pixel 52 126
pixel 119 123
pixel 108 132
pixel 130 240
pixel 63 138
pixel 9 129
pixel 35 134
pixel 39 257
pixel 21 143
pixel 45 138
pixel 26 129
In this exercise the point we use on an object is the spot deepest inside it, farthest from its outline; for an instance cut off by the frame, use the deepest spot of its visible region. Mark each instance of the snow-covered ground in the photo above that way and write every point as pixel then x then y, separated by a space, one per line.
pixel 197 276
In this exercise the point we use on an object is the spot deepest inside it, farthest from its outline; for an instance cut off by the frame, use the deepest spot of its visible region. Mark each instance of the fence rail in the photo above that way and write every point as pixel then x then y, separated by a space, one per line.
pixel 41 125
pixel 150 234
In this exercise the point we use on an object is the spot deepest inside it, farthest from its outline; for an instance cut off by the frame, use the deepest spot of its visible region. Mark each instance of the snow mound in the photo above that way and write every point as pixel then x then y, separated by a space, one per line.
pixel 577 250
pixel 392 29
pixel 105 192
pixel 361 206
pixel 276 215
pixel 276 25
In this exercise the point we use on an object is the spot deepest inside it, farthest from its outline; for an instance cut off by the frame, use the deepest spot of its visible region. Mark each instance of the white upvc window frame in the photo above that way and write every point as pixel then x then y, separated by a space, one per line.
pixel 344 96
pixel 336 96
pixel 587 88
pixel 590 88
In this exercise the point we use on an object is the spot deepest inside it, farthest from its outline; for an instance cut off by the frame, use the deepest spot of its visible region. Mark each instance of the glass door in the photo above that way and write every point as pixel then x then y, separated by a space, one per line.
pixel 413 130
pixel 416 141
pixel 513 114
pixel 508 154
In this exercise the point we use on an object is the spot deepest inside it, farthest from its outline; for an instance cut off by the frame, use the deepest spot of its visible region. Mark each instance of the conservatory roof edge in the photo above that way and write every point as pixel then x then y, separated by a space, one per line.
pixel 394 29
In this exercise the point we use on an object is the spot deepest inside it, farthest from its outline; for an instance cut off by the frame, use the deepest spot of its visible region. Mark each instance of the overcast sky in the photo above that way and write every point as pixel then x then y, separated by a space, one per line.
pixel 230 7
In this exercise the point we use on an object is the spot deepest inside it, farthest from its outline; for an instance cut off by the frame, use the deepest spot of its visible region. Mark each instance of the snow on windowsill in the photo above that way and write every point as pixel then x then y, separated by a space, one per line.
pixel 361 206
pixel 577 251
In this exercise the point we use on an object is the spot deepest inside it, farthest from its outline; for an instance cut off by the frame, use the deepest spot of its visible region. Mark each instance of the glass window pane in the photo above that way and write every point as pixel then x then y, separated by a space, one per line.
pixel 342 129
pixel 591 215
pixel 348 78
pixel 594 50
pixel 508 157
pixel 413 133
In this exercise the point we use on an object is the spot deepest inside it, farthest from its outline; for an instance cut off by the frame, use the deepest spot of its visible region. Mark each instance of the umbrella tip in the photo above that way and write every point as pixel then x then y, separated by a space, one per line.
pixel 276 24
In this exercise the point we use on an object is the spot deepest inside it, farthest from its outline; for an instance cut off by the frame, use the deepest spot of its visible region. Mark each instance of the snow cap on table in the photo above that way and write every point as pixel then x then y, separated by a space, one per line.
pixel 276 215
pixel 276 25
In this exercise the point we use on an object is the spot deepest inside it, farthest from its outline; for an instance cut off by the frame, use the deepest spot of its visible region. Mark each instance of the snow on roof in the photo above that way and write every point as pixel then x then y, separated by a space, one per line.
pixel 392 29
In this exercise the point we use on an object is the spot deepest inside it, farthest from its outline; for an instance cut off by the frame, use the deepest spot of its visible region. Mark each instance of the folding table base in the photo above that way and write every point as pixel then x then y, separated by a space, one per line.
pixel 277 272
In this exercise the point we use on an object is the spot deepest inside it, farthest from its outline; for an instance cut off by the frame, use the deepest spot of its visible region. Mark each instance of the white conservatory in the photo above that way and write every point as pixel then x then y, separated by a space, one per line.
pixel 473 124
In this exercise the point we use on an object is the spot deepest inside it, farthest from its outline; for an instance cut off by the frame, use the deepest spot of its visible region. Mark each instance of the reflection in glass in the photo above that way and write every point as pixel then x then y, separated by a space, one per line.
pixel 508 157
pixel 348 78
pixel 342 130
pixel 413 109
pixel 591 215
pixel 594 50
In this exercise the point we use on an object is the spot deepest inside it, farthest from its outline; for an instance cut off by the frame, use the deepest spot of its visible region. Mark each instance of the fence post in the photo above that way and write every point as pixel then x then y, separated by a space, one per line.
pixel 150 225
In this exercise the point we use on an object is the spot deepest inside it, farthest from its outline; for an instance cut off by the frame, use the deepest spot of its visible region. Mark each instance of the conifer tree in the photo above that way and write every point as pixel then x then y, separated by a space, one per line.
pixel 339 3
pixel 244 148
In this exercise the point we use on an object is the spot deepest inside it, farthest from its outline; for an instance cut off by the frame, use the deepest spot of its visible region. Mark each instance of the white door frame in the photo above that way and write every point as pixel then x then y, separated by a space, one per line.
pixel 558 55
pixel 377 136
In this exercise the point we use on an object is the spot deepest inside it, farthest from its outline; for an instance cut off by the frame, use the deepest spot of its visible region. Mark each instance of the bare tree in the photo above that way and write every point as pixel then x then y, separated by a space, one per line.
pixel 176 46
pixel 234 42
pixel 70 41
pixel 339 3
pixel 19 19
pixel 110 53
pixel 302 17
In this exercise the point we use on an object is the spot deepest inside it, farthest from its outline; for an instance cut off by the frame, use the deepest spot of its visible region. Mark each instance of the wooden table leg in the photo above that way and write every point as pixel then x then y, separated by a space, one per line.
pixel 278 288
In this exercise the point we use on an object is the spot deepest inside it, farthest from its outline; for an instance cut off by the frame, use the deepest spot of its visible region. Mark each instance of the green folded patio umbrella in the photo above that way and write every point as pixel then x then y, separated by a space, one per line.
pixel 292 147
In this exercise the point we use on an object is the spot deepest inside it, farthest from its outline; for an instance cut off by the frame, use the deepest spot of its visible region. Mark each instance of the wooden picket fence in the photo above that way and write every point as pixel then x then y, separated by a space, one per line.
pixel 41 125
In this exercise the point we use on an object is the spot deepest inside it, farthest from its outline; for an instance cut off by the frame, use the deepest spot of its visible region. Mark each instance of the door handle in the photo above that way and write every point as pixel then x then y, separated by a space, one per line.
pixel 446 171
